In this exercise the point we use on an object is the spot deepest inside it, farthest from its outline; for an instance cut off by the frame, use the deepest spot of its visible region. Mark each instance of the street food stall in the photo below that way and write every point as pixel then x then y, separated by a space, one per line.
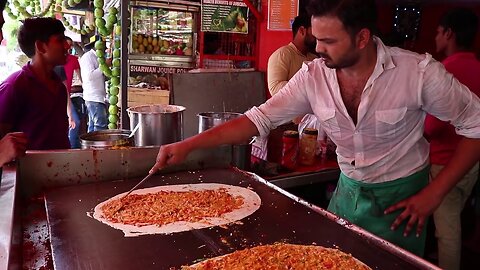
pixel 47 197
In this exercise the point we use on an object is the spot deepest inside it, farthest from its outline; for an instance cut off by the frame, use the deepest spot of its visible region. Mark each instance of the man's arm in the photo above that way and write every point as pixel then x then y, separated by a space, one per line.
pixel 71 121
pixel 238 130
pixel 79 73
pixel 447 99
pixel 419 207
pixel 289 103
pixel 76 68
pixel 277 72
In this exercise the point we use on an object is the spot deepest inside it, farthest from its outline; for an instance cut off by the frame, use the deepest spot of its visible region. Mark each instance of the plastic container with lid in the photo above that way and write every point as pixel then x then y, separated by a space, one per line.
pixel 308 146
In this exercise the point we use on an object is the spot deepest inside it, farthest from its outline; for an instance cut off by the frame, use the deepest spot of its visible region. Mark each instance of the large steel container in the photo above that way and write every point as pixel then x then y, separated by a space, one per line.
pixel 108 138
pixel 241 153
pixel 158 124
pixel 208 120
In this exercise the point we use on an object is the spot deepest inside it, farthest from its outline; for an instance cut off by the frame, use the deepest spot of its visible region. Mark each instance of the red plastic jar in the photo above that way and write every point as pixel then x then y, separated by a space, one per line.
pixel 290 149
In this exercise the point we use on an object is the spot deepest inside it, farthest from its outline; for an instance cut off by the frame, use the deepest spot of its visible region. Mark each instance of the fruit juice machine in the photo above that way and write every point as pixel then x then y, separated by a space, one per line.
pixel 163 41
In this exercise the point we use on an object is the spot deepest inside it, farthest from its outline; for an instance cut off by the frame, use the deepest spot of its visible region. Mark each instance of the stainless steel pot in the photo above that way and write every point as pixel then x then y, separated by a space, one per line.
pixel 208 120
pixel 106 139
pixel 159 124
pixel 241 153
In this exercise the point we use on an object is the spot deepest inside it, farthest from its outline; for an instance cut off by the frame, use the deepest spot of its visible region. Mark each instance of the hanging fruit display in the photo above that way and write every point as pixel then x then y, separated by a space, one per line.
pixel 86 29
pixel 106 30
pixel 29 8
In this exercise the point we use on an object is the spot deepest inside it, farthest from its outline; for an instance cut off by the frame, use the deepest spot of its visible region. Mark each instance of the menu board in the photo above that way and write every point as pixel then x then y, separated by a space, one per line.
pixel 224 16
pixel 281 14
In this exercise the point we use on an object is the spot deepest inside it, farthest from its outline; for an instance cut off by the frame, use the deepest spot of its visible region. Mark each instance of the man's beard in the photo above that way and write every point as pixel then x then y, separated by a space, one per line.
pixel 311 46
pixel 347 60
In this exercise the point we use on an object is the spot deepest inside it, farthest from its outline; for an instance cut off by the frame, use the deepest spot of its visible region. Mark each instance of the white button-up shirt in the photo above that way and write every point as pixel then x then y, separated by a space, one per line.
pixel 387 142
pixel 93 80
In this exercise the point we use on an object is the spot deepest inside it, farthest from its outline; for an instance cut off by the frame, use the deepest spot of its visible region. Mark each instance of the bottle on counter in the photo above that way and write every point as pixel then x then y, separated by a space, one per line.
pixel 290 142
pixel 308 146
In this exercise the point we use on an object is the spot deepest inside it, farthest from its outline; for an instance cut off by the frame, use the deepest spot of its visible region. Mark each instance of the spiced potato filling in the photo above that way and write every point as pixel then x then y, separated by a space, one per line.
pixel 166 207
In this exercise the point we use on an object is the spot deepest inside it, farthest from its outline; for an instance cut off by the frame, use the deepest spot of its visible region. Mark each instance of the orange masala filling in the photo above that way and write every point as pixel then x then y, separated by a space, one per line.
pixel 282 256
pixel 166 207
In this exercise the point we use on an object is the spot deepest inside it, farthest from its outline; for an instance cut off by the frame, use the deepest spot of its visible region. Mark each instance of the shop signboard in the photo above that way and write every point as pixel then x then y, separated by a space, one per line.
pixel 224 16
pixel 281 14
pixel 156 69
pixel 152 77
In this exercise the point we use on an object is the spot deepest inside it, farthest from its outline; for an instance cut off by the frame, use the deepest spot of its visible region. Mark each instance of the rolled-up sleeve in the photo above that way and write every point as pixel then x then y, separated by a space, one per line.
pixel 290 102
pixel 449 100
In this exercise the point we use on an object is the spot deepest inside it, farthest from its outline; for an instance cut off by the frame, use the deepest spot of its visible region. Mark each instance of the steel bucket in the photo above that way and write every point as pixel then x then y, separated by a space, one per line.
pixel 208 120
pixel 158 124
pixel 108 138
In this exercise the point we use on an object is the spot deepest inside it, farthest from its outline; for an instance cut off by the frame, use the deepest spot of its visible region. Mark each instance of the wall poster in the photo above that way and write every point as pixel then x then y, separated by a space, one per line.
pixel 224 16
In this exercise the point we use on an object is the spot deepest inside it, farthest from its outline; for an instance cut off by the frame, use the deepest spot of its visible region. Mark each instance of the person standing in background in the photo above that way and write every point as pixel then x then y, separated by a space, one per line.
pixel 94 92
pixel 34 100
pixel 455 37
pixel 283 64
pixel 287 60
pixel 75 90
pixel 13 144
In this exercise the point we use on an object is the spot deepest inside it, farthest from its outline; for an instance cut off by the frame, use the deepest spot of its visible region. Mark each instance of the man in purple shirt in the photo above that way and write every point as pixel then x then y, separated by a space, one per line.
pixel 12 145
pixel 34 100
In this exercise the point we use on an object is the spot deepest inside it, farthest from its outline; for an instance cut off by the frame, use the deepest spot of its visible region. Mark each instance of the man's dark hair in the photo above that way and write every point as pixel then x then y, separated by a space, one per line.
pixel 354 14
pixel 37 29
pixel 87 47
pixel 464 23
pixel 301 20
pixel 3 3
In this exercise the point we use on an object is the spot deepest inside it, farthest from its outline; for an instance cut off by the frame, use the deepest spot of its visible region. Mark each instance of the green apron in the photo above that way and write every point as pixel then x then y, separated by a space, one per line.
pixel 363 205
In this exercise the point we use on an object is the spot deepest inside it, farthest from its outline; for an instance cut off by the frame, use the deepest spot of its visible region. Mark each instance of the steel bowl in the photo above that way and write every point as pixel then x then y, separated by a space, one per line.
pixel 108 138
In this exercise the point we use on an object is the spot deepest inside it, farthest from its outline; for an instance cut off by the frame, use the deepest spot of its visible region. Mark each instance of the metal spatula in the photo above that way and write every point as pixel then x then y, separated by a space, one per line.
pixel 130 191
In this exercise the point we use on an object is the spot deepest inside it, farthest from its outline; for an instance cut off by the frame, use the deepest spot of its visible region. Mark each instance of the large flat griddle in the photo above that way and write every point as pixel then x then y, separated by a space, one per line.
pixel 81 242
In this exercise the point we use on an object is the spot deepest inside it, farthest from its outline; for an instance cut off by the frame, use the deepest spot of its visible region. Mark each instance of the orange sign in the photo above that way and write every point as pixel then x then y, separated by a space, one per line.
pixel 281 14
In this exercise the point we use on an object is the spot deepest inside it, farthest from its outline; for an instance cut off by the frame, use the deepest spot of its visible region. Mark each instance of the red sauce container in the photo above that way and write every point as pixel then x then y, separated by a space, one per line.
pixel 289 149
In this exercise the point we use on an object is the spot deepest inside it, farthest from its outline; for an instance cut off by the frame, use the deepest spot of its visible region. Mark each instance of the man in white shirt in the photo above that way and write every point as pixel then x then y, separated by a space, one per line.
pixel 371 100
pixel 94 93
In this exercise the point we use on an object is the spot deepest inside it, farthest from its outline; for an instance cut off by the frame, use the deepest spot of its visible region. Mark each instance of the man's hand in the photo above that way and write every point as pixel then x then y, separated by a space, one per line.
pixel 416 209
pixel 108 61
pixel 171 154
pixel 71 123
pixel 12 145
